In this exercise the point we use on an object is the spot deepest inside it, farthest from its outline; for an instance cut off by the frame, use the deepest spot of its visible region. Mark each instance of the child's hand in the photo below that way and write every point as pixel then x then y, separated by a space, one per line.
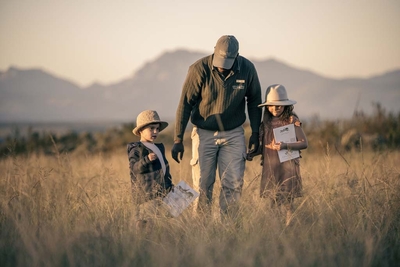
pixel 152 156
pixel 279 146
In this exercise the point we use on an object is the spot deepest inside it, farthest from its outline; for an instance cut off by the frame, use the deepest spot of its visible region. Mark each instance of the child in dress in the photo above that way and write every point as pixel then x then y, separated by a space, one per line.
pixel 149 169
pixel 281 182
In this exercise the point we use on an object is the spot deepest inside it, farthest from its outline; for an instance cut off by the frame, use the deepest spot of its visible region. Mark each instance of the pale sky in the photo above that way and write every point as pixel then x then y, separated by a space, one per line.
pixel 105 41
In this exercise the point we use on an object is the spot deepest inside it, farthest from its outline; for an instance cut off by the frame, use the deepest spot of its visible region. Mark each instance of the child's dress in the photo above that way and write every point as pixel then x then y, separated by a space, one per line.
pixel 279 181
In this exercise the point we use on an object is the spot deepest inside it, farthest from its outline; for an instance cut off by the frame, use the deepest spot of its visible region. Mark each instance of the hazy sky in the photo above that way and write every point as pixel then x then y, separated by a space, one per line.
pixel 108 40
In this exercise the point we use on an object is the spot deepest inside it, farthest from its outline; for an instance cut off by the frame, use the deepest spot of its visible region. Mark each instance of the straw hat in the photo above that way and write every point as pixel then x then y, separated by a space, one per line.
pixel 148 117
pixel 276 96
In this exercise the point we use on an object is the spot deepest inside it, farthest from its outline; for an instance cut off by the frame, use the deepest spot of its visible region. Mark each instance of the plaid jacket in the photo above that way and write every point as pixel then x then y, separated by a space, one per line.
pixel 147 178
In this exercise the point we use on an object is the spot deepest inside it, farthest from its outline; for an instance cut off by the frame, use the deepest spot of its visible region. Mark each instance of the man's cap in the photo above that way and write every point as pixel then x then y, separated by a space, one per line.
pixel 225 52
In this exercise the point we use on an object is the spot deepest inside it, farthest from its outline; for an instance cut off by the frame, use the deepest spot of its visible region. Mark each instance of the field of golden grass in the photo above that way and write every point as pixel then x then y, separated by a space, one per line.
pixel 67 210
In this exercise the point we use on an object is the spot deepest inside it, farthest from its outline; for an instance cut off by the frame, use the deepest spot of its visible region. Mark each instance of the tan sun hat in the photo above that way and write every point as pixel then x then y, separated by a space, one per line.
pixel 148 117
pixel 276 96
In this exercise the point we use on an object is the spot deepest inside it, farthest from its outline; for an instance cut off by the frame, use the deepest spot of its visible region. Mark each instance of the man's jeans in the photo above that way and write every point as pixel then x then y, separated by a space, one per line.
pixel 225 150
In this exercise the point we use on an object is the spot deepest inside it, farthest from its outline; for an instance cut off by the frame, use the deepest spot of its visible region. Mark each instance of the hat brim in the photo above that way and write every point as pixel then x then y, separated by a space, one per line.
pixel 278 103
pixel 163 125
pixel 223 62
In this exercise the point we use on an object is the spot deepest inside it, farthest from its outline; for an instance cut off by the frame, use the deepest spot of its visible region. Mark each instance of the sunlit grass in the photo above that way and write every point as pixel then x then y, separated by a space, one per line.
pixel 68 210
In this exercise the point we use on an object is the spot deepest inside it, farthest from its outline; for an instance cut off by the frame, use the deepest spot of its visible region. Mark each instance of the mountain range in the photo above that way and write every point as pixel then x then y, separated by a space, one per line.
pixel 35 95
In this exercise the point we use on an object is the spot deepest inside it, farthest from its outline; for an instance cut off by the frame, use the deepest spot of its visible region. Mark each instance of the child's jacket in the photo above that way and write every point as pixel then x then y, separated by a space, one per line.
pixel 147 178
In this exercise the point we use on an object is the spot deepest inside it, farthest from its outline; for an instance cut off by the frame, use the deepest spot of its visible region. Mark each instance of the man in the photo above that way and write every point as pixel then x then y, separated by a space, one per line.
pixel 214 97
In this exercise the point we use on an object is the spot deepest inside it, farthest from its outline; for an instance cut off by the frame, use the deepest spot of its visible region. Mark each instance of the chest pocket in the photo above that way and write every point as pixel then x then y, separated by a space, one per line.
pixel 240 84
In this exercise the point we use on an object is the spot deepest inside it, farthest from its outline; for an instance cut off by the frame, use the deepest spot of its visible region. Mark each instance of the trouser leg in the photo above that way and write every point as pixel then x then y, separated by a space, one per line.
pixel 207 163
pixel 231 166
pixel 194 162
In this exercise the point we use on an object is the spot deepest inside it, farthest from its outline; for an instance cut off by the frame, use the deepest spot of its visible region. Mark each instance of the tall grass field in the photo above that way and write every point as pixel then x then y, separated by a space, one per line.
pixel 69 210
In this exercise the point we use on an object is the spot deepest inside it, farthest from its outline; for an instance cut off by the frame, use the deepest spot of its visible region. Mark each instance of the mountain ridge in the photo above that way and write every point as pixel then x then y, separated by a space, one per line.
pixel 37 95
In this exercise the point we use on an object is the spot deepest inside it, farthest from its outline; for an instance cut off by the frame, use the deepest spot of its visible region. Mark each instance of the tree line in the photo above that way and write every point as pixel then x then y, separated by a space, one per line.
pixel 377 131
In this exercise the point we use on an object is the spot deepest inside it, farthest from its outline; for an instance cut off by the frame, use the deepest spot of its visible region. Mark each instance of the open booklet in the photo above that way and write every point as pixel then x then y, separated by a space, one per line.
pixel 286 134
pixel 180 198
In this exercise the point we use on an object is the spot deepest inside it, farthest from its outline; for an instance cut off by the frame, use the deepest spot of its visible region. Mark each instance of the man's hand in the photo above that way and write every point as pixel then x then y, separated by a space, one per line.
pixel 176 150
pixel 254 143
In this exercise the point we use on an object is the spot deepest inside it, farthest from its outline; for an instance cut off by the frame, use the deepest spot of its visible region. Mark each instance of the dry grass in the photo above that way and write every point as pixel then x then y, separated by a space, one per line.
pixel 77 211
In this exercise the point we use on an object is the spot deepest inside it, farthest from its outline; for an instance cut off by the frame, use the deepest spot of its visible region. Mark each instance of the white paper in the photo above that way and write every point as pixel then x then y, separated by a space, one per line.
pixel 180 198
pixel 286 134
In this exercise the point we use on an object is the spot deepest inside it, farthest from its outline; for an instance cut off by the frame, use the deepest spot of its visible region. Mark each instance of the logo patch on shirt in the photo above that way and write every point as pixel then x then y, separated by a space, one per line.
pixel 239 85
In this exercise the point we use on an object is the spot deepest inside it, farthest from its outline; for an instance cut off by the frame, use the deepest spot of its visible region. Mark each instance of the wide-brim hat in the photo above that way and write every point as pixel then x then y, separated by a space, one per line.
pixel 225 52
pixel 276 95
pixel 148 117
